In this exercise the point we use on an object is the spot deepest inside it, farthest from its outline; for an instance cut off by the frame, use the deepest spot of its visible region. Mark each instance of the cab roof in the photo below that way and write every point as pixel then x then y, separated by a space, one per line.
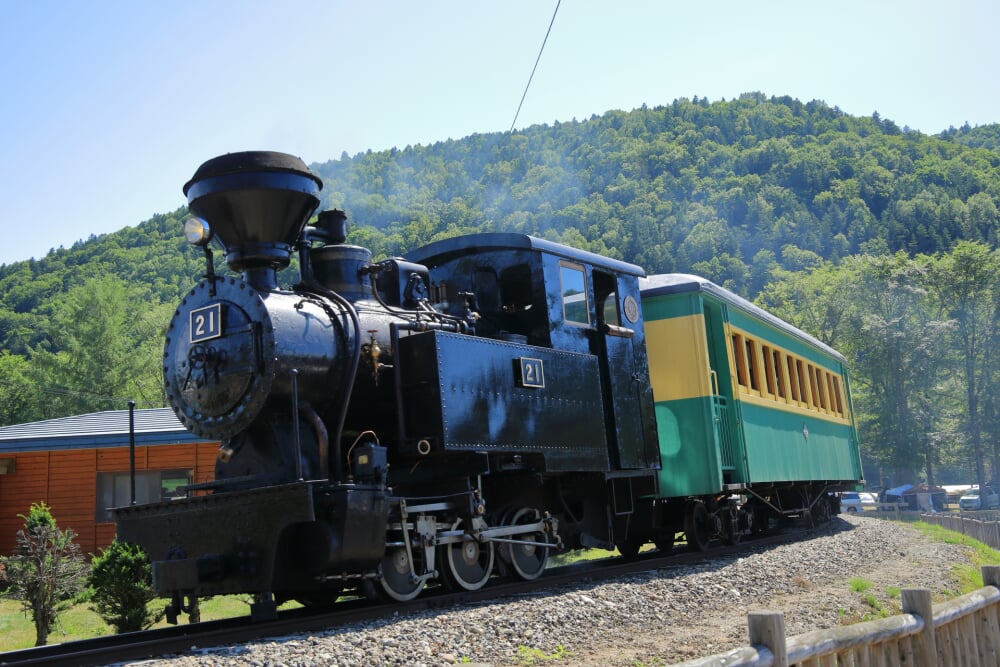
pixel 446 249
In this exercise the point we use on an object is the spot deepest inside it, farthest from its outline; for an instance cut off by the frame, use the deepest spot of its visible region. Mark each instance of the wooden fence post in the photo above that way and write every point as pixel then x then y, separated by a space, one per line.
pixel 989 619
pixel 767 628
pixel 917 601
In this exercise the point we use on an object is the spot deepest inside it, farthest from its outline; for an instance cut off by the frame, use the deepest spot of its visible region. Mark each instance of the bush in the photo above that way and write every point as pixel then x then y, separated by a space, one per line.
pixel 122 587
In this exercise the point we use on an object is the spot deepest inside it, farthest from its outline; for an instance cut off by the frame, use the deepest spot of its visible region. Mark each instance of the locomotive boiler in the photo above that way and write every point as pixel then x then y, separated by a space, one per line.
pixel 465 411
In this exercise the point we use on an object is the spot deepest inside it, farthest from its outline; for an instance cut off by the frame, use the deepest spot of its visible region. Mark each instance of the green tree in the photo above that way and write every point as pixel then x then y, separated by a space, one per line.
pixel 966 283
pixel 20 398
pixel 46 570
pixel 105 346
pixel 122 583
pixel 898 346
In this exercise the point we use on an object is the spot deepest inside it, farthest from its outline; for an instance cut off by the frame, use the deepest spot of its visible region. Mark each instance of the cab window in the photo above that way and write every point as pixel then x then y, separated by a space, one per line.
pixel 573 287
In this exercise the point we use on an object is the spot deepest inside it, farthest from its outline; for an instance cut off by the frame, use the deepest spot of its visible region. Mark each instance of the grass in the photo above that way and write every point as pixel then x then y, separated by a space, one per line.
pixel 970 575
pixel 532 656
pixel 860 585
pixel 80 622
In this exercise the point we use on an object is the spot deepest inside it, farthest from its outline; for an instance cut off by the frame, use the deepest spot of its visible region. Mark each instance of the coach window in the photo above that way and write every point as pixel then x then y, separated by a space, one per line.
pixel 793 379
pixel 832 393
pixel 769 369
pixel 813 389
pixel 820 387
pixel 779 376
pixel 573 286
pixel 800 372
pixel 836 393
pixel 740 359
pixel 752 366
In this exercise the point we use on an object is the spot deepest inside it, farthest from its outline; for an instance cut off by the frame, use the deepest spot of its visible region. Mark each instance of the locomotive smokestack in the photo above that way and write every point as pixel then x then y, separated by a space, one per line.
pixel 256 203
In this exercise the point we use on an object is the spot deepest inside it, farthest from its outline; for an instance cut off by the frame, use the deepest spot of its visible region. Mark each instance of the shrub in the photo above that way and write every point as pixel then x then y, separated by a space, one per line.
pixel 122 587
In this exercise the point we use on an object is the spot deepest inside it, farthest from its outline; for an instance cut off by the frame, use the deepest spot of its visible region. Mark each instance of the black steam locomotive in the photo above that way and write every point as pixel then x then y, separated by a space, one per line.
pixel 464 412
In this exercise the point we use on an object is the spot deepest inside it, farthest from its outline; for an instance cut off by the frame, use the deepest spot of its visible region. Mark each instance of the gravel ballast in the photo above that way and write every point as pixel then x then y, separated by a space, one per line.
pixel 653 618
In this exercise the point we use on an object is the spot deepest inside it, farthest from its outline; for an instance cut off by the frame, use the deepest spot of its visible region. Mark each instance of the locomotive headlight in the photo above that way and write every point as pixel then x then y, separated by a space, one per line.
pixel 197 231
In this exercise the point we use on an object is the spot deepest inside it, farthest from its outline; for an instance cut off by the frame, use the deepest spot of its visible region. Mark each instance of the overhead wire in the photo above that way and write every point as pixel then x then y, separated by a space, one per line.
pixel 537 60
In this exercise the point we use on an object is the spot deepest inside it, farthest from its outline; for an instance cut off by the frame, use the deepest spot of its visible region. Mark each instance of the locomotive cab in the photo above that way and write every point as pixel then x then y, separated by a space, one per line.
pixel 530 291
pixel 560 346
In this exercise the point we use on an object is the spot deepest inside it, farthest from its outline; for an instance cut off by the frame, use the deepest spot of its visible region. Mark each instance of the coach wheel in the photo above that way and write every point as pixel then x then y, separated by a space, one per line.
pixel 821 511
pixel 760 520
pixel 529 560
pixel 730 526
pixel 697 526
pixel 469 562
pixel 397 581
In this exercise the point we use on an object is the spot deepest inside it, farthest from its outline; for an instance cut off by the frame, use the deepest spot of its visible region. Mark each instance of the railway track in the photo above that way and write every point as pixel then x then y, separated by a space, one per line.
pixel 182 639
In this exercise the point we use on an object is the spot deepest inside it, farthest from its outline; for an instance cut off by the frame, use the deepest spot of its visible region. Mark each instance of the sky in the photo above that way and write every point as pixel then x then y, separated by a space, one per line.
pixel 107 107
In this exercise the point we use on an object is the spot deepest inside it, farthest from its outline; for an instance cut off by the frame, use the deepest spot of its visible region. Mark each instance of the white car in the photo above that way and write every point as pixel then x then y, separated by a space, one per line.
pixel 850 502
pixel 976 500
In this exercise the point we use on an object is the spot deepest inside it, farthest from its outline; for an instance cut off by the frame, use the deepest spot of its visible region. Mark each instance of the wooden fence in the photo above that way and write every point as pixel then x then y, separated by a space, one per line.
pixel 982 526
pixel 963 631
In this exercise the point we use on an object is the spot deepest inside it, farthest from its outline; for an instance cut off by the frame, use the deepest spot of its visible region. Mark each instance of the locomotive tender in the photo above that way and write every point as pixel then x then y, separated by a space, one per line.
pixel 467 410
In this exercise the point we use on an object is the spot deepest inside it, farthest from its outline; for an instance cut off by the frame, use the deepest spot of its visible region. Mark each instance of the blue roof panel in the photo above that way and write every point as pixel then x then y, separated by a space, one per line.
pixel 158 426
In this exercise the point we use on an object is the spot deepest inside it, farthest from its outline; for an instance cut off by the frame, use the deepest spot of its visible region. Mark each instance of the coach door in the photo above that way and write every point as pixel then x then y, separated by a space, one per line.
pixel 624 378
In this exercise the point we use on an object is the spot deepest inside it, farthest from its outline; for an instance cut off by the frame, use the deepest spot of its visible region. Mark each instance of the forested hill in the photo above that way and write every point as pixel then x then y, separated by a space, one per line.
pixel 730 190
pixel 724 189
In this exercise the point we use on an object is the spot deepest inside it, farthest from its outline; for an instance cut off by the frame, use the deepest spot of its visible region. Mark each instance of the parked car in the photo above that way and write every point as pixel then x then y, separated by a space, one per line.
pixel 979 499
pixel 850 502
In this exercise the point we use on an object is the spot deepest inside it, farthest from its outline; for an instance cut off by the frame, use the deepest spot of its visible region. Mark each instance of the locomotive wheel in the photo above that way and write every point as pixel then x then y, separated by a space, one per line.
pixel 664 542
pixel 469 562
pixel 319 599
pixel 697 526
pixel 395 582
pixel 629 548
pixel 529 560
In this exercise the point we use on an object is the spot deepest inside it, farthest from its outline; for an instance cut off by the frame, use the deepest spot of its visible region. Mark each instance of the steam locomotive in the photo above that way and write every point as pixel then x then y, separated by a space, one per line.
pixel 466 411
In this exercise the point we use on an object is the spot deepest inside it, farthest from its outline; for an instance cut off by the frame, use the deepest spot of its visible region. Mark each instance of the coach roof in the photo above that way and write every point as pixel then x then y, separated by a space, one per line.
pixel 676 283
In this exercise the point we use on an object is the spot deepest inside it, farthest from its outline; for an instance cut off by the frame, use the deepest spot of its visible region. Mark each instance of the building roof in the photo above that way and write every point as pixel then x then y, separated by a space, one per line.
pixel 158 426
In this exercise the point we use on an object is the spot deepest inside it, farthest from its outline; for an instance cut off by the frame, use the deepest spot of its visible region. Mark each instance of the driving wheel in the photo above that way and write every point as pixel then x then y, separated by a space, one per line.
pixel 469 563
pixel 397 581
pixel 529 560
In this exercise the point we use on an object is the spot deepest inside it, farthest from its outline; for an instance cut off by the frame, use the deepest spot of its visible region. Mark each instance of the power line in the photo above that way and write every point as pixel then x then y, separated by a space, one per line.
pixel 61 391
pixel 518 112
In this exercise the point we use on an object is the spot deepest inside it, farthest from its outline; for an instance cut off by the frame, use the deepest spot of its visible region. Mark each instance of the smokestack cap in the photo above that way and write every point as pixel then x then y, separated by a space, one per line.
pixel 256 203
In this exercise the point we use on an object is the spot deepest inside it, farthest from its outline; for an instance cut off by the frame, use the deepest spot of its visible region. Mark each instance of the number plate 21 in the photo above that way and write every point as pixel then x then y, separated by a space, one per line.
pixel 530 373
pixel 206 323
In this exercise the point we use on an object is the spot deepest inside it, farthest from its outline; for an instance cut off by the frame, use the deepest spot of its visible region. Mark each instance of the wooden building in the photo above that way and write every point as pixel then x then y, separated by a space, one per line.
pixel 79 466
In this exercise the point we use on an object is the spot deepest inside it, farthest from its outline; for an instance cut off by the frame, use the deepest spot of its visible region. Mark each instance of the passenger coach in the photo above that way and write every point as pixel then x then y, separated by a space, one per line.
pixel 745 404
